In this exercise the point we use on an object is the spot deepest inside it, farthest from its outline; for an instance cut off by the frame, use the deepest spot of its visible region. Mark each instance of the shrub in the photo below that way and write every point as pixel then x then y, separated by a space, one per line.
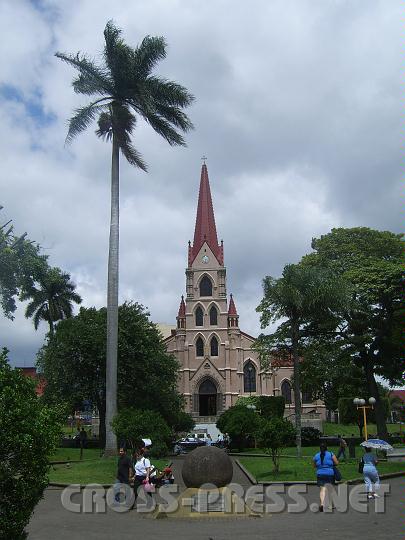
pixel 29 434
pixel 271 406
pixel 310 436
pixel 274 435
pixel 239 423
pixel 131 425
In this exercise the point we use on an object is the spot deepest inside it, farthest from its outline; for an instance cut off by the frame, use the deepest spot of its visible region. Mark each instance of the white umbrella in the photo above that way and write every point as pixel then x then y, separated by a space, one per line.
pixel 378 444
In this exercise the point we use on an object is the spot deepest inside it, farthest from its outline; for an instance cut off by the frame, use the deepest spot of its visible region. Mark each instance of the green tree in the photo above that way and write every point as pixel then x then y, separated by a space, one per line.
pixel 51 298
pixel 239 423
pixel 328 373
pixel 125 88
pixel 266 406
pixel 132 425
pixel 274 435
pixel 74 362
pixel 370 329
pixel 303 296
pixel 29 434
pixel 20 263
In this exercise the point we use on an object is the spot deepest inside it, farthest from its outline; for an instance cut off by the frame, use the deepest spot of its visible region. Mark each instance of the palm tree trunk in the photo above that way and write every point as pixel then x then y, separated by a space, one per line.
pixel 112 306
pixel 297 386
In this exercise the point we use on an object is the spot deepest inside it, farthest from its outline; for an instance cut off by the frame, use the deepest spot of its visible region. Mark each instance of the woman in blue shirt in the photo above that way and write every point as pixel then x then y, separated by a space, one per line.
pixel 370 474
pixel 324 462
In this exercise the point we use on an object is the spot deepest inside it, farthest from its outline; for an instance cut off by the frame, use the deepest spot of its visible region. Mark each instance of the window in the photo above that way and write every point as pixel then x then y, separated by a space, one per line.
pixel 306 397
pixel 249 377
pixel 199 347
pixel 205 286
pixel 213 316
pixel 286 391
pixel 199 317
pixel 214 346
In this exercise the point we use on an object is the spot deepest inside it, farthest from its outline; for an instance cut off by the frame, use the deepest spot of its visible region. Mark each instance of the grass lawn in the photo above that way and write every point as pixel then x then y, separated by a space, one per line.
pixel 346 431
pixel 98 471
pixel 301 469
pixel 309 451
pixel 73 454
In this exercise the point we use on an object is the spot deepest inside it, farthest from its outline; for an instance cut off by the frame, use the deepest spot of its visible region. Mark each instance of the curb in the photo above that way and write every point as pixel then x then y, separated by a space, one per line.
pixel 353 481
pixel 249 476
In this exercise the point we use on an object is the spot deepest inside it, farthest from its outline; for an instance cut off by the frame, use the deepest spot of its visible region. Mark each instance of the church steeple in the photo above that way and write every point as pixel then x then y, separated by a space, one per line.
pixel 205 229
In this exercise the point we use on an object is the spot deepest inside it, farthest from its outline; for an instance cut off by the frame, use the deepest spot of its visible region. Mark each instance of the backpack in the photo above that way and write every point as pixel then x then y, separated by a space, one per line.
pixel 361 465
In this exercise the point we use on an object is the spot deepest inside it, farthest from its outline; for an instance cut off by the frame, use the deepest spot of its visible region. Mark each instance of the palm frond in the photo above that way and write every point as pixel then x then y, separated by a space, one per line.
pixel 147 55
pixel 92 79
pixel 117 56
pixel 163 127
pixel 133 156
pixel 175 116
pixel 82 119
pixel 168 92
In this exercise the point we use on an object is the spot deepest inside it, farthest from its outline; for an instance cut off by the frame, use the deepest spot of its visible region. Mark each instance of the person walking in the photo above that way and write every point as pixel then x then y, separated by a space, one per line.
pixel 142 468
pixel 370 473
pixel 324 462
pixel 124 472
pixel 342 447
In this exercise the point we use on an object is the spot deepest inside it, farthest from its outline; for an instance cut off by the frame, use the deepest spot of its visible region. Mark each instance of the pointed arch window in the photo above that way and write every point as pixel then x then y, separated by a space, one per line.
pixel 213 316
pixel 199 347
pixel 286 391
pixel 214 346
pixel 205 286
pixel 199 317
pixel 249 377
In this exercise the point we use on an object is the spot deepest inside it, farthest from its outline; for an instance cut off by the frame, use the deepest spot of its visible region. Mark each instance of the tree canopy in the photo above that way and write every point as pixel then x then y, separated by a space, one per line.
pixel 20 264
pixel 50 298
pixel 369 331
pixel 304 296
pixel 74 362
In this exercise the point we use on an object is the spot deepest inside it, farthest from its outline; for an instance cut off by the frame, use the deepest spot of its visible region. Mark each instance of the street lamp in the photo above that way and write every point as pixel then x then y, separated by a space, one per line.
pixel 361 404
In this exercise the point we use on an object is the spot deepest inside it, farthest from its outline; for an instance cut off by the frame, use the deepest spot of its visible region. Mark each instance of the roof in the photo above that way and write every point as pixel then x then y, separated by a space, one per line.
pixel 182 308
pixel 205 228
pixel 232 307
pixel 398 393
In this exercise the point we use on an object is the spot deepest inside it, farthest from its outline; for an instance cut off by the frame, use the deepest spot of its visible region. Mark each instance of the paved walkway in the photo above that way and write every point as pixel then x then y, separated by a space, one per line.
pixel 51 520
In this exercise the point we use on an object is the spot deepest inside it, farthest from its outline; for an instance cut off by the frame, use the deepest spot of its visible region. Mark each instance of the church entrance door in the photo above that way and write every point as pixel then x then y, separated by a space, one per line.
pixel 207 398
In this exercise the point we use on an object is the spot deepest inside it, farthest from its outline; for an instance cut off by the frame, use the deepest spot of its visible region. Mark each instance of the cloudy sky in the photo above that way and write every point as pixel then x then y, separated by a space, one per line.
pixel 298 110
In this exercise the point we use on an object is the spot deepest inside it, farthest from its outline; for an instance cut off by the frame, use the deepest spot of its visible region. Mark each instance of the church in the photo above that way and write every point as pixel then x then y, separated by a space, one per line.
pixel 217 362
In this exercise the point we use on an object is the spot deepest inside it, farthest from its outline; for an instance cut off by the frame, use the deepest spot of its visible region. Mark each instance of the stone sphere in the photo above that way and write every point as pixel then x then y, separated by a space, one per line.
pixel 207 465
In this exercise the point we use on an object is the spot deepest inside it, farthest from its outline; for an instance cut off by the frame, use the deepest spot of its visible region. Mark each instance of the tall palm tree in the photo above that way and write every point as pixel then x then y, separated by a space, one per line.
pixel 302 296
pixel 52 299
pixel 124 88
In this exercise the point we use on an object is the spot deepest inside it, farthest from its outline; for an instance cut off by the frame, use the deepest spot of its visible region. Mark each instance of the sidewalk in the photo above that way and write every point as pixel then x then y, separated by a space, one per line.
pixel 52 521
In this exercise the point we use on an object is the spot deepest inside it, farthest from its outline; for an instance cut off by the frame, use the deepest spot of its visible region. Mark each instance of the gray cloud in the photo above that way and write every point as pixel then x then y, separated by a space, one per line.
pixel 298 110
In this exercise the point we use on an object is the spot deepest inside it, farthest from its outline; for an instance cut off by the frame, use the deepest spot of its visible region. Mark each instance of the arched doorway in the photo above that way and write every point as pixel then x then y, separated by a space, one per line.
pixel 207 398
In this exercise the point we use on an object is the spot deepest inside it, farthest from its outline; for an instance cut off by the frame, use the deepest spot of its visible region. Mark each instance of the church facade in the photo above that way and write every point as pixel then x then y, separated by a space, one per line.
pixel 216 357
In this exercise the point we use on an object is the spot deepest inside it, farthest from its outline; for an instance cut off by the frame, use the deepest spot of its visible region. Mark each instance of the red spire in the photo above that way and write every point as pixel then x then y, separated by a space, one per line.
pixel 205 229
pixel 182 308
pixel 232 307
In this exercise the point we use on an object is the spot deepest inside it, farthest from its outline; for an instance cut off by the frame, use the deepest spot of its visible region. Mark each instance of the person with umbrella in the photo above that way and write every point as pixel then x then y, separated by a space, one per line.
pixel 369 462
pixel 370 473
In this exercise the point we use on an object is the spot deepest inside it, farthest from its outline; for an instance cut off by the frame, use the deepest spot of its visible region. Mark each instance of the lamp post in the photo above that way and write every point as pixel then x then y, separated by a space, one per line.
pixel 252 407
pixel 361 404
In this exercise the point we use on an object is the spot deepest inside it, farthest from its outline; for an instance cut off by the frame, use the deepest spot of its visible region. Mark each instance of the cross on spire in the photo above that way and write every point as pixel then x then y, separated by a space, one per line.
pixel 204 159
